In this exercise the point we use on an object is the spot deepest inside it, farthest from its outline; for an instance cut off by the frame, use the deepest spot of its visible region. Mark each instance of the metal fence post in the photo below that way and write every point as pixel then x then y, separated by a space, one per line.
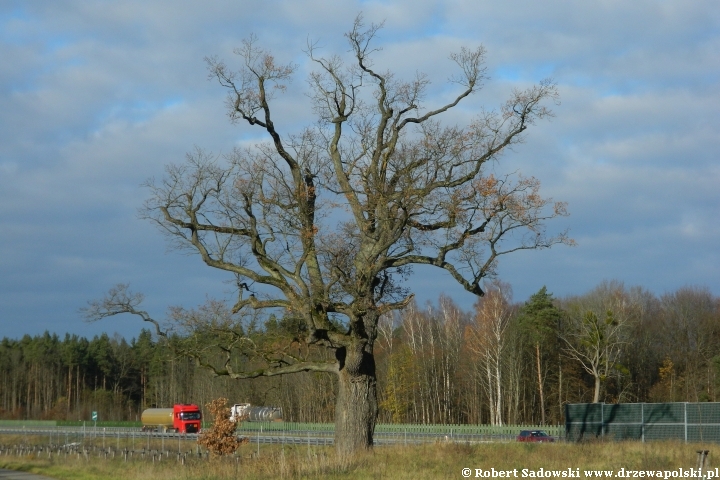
pixel 642 422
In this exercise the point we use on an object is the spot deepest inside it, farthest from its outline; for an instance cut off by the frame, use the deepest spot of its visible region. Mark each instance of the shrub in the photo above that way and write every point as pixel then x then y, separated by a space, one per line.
pixel 220 439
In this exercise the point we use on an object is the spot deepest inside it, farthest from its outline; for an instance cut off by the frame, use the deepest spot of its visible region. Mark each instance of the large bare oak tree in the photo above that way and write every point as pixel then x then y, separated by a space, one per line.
pixel 325 224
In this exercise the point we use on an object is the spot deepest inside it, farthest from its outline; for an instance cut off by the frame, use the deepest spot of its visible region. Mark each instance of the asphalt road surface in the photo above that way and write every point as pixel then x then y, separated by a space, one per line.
pixel 13 475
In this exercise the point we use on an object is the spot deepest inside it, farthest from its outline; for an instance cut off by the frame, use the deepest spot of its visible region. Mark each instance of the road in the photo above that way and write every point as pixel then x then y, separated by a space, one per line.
pixel 68 435
pixel 13 475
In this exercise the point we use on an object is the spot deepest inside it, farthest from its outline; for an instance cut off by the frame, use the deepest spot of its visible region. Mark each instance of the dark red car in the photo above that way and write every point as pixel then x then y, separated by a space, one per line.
pixel 534 436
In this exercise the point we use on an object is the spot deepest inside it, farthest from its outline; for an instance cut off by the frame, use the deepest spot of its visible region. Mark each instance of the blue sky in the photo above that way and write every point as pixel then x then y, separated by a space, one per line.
pixel 96 97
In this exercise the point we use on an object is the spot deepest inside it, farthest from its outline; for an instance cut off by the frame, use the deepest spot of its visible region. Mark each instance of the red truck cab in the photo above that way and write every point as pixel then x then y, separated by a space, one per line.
pixel 182 418
pixel 186 418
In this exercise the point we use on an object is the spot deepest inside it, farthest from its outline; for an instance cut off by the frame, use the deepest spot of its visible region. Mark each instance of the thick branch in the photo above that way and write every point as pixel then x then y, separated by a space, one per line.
pixel 329 367
pixel 119 300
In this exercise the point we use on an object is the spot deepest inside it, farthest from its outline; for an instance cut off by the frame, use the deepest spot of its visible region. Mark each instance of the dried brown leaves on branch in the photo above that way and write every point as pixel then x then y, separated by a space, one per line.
pixel 220 439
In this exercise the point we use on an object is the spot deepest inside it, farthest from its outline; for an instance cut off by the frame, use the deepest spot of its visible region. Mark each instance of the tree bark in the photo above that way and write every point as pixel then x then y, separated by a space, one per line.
pixel 560 400
pixel 69 390
pixel 356 405
pixel 540 384
pixel 596 395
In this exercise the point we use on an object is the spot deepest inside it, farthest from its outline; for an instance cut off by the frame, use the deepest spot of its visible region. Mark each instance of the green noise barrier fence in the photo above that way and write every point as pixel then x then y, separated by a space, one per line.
pixel 688 422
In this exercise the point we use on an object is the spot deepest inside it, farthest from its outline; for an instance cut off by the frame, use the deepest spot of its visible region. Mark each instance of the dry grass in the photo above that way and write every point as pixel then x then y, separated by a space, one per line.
pixel 430 461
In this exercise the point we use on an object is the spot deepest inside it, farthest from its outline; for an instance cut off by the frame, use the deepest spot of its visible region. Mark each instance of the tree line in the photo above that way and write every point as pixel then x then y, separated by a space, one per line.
pixel 501 363
pixel 521 363
pixel 47 377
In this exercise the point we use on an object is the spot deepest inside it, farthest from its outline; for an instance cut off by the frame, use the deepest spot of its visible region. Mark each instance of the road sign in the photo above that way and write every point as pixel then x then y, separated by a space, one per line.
pixel 94 416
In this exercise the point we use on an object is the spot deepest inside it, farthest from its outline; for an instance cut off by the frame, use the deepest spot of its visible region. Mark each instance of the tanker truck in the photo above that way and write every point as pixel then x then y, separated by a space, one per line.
pixel 249 413
pixel 182 418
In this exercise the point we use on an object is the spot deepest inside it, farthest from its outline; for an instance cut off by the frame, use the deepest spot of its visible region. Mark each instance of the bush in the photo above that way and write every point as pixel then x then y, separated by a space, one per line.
pixel 220 439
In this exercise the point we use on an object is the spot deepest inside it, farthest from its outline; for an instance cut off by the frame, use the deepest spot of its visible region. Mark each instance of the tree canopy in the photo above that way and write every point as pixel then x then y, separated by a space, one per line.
pixel 324 224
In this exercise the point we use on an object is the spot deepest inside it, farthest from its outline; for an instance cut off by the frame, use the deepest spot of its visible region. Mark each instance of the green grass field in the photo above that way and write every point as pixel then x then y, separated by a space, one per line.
pixel 429 461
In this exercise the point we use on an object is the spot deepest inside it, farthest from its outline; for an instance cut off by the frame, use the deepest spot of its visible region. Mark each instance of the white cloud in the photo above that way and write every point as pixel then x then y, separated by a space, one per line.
pixel 96 97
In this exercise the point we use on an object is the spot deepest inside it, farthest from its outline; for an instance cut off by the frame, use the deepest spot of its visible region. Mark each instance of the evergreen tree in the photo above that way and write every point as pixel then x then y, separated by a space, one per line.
pixel 539 319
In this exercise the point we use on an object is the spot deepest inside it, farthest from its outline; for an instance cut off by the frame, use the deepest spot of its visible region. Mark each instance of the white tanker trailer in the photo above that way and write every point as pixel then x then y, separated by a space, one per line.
pixel 245 412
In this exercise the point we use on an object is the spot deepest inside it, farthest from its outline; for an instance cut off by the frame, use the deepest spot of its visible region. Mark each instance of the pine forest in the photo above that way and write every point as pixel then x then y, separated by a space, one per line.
pixel 504 362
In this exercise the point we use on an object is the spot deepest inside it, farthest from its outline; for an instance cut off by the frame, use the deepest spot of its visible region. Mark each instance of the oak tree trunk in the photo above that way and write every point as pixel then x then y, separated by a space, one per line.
pixel 356 406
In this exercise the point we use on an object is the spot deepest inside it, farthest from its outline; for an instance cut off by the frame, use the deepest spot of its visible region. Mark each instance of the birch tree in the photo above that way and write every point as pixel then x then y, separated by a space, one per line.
pixel 490 340
pixel 597 332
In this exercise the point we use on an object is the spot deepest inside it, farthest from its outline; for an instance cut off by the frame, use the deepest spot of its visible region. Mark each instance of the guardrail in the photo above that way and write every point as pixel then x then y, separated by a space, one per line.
pixel 449 429
pixel 60 435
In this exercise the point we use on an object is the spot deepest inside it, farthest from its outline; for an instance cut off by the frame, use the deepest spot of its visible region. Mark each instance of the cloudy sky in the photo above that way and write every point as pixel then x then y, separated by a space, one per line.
pixel 97 96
